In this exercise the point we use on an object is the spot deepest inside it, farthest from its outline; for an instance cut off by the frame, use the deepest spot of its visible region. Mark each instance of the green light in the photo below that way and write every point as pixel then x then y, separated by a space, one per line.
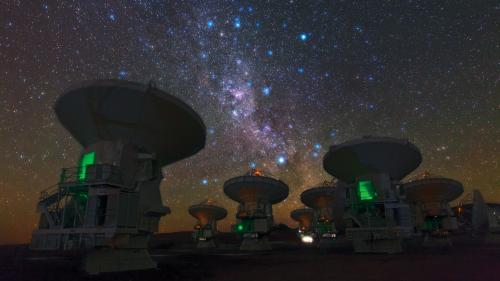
pixel 87 160
pixel 240 227
pixel 244 226
pixel 82 195
pixel 432 223
pixel 81 198
pixel 324 227
pixel 198 234
pixel 366 190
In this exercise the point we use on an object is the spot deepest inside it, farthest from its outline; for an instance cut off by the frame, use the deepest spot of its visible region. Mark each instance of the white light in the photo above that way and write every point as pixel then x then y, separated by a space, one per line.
pixel 307 239
pixel 281 160
pixel 329 235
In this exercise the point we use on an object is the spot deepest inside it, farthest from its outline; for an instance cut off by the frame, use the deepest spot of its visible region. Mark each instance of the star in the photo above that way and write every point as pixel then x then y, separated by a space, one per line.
pixel 266 90
pixel 275 85
pixel 237 23
pixel 112 17
pixel 122 74
pixel 281 160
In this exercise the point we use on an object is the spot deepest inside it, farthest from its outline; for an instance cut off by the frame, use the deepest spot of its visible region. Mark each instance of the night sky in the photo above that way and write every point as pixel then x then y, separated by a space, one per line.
pixel 276 83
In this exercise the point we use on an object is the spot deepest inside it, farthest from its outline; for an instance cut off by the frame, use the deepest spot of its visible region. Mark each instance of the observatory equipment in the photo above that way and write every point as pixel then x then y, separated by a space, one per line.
pixel 479 218
pixel 305 217
pixel 255 192
pixel 322 199
pixel 207 213
pixel 480 214
pixel 110 204
pixel 429 197
pixel 375 165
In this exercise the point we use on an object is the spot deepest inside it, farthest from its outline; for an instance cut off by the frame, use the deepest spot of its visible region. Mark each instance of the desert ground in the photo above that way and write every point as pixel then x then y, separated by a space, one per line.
pixel 179 260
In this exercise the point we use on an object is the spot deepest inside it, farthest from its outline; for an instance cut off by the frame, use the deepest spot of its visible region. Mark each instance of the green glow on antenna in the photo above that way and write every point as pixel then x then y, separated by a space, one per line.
pixel 87 160
pixel 366 190
pixel 240 227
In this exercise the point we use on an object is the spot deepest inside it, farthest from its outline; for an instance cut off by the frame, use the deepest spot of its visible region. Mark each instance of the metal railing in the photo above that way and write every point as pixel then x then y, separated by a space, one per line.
pixel 72 179
pixel 46 193
pixel 91 174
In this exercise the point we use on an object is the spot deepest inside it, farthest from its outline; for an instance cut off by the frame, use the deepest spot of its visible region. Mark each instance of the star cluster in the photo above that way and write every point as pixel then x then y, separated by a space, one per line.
pixel 276 83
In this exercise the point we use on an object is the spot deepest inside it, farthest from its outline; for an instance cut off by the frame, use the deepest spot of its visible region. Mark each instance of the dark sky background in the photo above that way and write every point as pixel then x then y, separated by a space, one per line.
pixel 276 83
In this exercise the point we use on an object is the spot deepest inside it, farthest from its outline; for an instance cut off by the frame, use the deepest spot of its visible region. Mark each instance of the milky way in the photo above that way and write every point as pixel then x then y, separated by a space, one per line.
pixel 276 83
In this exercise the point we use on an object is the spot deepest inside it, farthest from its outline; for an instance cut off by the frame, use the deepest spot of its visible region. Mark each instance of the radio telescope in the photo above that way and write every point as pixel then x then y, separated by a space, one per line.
pixel 110 203
pixel 255 192
pixel 375 165
pixel 207 213
pixel 430 197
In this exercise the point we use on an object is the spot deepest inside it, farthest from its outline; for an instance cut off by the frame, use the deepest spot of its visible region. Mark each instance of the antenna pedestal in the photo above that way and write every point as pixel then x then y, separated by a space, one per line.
pixel 204 238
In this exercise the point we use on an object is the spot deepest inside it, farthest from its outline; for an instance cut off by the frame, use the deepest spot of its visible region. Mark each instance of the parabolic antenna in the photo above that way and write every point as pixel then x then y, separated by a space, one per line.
pixel 256 188
pixel 322 198
pixel 128 131
pixel 304 216
pixel 122 110
pixel 207 211
pixel 255 192
pixel 433 189
pixel 396 157
pixel 319 197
